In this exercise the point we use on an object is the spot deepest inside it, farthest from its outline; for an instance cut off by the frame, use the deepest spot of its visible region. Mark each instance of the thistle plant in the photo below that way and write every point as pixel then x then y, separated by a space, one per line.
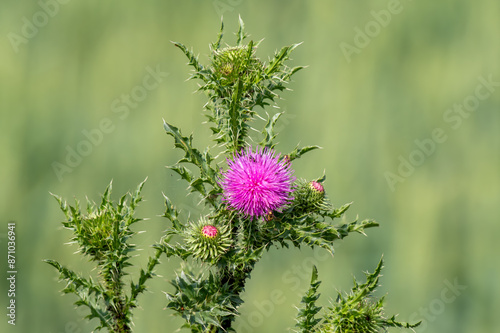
pixel 253 200
pixel 356 311
pixel 252 191
pixel 102 233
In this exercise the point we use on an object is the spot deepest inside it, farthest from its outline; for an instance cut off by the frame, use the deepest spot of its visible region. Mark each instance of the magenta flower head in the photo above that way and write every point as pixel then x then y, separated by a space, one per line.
pixel 257 183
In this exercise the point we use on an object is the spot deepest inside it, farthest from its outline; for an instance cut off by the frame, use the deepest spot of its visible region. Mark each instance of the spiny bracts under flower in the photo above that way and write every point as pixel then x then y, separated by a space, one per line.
pixel 257 183
pixel 309 197
pixel 208 241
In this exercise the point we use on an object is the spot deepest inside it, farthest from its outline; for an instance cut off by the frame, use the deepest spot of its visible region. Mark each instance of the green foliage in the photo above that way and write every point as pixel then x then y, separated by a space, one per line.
pixel 235 82
pixel 306 320
pixel 200 160
pixel 207 248
pixel 298 152
pixel 102 234
pixel 359 311
pixel 90 294
pixel 306 199
pixel 355 312
pixel 204 302
pixel 223 245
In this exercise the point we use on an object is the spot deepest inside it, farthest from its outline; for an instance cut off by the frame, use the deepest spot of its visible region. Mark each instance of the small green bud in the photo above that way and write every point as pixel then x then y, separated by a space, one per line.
pixel 233 63
pixel 309 197
pixel 95 234
pixel 207 241
pixel 317 189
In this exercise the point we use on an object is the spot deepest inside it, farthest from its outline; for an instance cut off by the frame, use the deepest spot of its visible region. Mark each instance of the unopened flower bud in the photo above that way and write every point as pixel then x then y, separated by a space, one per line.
pixel 309 197
pixel 317 187
pixel 209 231
pixel 232 63
pixel 208 241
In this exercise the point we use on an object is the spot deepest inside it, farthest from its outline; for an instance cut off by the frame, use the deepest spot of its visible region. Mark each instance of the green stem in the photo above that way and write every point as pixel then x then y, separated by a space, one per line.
pixel 234 116
pixel 236 279
pixel 117 306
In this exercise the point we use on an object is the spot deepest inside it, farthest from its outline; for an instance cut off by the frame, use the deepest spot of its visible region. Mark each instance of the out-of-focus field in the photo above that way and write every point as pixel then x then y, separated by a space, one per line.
pixel 404 98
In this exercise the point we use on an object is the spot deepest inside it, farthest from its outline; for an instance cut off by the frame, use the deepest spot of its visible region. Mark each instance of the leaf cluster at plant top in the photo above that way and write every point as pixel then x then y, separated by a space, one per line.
pixel 253 201
pixel 235 82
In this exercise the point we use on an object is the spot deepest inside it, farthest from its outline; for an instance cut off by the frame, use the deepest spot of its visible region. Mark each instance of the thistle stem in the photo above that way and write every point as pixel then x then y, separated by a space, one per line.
pixel 117 307
pixel 236 279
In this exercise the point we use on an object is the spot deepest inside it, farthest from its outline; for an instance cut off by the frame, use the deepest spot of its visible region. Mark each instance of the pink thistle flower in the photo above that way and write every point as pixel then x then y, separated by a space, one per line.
pixel 257 183
pixel 209 231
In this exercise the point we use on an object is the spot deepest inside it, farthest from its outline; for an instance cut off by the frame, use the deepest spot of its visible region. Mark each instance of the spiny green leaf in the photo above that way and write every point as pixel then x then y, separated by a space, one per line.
pixel 140 286
pixel 87 291
pixel 234 117
pixel 106 197
pixel 192 155
pixel 279 59
pixel 340 211
pixel 202 301
pixel 136 197
pixel 172 214
pixel 357 311
pixel 268 131
pixel 298 152
pixel 306 320
pixel 74 280
pixel 184 172
pixel 193 60
pixel 172 250
pixel 216 45
pixel 241 32
pixel 289 73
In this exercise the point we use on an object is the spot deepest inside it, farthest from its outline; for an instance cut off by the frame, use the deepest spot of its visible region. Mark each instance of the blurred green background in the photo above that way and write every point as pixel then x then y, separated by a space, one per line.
pixel 66 68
